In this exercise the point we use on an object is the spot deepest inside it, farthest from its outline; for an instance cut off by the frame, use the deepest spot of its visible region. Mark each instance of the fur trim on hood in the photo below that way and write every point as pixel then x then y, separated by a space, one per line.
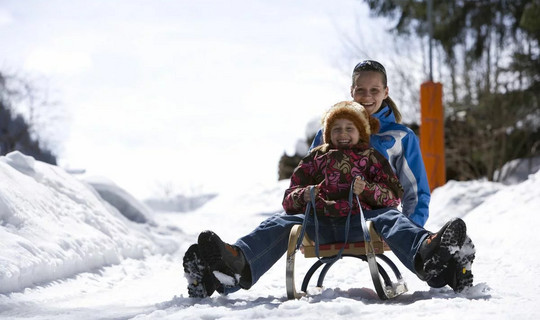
pixel 364 122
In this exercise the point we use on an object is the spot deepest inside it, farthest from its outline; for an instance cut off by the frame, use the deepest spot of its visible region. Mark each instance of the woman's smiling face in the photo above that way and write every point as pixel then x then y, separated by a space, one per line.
pixel 369 90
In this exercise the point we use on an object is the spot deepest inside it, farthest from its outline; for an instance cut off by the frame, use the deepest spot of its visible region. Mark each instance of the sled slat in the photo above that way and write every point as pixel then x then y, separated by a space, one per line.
pixel 355 248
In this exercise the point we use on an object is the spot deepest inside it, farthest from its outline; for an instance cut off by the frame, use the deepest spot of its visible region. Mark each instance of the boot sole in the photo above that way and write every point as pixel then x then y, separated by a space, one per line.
pixel 452 240
pixel 462 277
pixel 200 281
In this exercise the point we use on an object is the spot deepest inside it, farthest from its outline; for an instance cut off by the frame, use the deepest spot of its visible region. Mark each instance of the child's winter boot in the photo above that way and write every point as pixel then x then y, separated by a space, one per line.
pixel 227 262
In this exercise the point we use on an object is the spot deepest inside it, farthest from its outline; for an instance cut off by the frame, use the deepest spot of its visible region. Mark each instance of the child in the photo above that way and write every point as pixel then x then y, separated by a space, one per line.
pixel 331 167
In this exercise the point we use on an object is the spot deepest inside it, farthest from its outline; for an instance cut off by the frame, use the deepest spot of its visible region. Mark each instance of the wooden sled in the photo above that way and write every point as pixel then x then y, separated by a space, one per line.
pixel 385 288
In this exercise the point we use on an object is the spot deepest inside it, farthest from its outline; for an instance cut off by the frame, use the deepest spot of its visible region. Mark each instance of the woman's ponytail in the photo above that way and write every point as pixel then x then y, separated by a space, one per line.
pixel 394 108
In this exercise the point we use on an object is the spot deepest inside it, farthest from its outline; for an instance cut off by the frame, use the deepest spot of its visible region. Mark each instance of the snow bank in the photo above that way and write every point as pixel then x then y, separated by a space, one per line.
pixel 505 228
pixel 501 219
pixel 457 199
pixel 120 199
pixel 179 203
pixel 260 199
pixel 53 226
pixel 517 170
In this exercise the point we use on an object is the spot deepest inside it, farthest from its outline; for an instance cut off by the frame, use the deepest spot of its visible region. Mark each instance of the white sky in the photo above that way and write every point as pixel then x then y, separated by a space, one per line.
pixel 207 93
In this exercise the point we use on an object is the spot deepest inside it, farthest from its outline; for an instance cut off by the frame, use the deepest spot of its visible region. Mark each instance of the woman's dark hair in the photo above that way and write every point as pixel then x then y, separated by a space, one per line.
pixel 372 65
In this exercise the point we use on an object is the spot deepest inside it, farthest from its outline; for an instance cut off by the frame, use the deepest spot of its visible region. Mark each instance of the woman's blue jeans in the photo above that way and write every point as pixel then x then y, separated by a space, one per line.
pixel 265 245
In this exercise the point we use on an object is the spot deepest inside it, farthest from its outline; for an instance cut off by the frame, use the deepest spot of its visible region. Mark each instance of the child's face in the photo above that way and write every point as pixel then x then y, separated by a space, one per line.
pixel 369 90
pixel 343 133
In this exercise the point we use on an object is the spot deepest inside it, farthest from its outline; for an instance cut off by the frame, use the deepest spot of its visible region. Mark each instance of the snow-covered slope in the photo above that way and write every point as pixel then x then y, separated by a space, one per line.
pixel 66 253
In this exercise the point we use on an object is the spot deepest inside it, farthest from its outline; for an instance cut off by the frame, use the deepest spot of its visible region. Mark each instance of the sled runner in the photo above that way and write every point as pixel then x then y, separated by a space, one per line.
pixel 369 250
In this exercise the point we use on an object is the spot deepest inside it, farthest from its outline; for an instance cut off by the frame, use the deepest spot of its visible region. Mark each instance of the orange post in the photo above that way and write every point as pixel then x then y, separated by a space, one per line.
pixel 432 133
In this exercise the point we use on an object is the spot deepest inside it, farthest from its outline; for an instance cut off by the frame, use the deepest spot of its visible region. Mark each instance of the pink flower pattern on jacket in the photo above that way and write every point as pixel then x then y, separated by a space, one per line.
pixel 334 170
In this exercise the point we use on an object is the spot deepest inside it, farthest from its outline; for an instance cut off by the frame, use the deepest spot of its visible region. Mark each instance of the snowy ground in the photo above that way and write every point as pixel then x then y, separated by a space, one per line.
pixel 67 254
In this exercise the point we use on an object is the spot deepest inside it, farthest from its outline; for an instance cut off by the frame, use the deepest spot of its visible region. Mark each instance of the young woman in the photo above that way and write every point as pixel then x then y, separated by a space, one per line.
pixel 395 141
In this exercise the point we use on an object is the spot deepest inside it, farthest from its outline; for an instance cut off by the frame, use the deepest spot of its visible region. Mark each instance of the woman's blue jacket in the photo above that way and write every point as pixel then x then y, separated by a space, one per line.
pixel 400 146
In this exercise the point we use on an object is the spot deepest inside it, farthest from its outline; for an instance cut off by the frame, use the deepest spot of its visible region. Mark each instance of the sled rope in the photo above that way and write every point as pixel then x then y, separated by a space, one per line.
pixel 367 236
pixel 310 204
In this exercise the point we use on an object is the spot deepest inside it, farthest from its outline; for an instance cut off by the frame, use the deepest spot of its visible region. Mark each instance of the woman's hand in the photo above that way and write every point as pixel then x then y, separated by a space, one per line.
pixel 359 185
pixel 307 193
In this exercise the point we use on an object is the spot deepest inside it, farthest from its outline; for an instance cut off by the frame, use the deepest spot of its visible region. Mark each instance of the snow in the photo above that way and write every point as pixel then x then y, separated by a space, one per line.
pixel 517 170
pixel 83 248
pixel 120 199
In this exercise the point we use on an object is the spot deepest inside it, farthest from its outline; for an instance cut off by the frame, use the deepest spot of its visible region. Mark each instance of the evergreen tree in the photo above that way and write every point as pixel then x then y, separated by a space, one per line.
pixel 490 70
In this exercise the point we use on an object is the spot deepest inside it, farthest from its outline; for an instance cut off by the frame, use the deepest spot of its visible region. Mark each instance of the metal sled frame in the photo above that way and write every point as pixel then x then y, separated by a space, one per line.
pixel 367 251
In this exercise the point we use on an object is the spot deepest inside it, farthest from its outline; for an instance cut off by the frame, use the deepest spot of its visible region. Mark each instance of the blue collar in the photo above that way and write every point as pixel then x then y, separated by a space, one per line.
pixel 385 114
